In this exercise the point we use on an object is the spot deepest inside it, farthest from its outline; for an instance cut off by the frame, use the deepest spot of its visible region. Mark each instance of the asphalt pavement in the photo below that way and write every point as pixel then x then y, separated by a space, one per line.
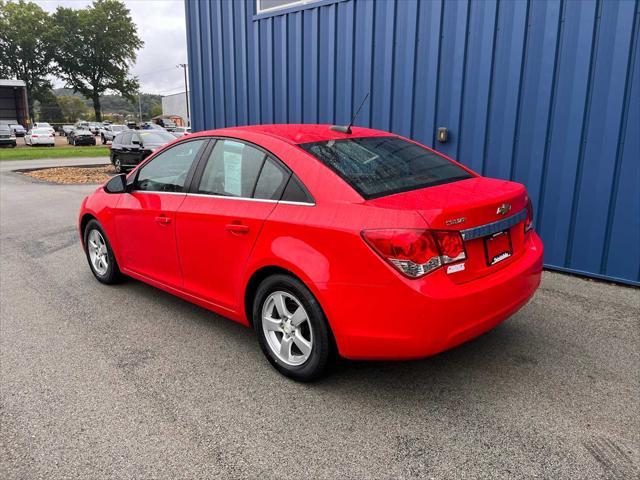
pixel 130 382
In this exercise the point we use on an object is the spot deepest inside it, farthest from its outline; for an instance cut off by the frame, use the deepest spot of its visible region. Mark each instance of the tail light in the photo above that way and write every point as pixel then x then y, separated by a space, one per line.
pixel 416 252
pixel 528 223
pixel 34 136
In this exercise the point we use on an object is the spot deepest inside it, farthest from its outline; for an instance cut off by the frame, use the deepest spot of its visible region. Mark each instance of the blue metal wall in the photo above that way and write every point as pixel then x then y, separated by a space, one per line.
pixel 546 93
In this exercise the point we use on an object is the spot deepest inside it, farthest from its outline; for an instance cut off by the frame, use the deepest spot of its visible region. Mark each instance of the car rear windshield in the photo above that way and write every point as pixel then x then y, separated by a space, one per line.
pixel 379 166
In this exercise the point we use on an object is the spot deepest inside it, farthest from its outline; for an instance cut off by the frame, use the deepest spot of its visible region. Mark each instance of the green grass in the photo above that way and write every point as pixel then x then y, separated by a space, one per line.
pixel 34 153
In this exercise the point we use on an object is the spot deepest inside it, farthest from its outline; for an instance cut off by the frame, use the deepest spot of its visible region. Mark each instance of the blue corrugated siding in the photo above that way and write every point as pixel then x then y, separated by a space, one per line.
pixel 546 93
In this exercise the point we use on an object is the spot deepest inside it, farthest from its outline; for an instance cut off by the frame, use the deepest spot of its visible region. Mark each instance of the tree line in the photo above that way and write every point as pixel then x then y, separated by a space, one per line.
pixel 91 49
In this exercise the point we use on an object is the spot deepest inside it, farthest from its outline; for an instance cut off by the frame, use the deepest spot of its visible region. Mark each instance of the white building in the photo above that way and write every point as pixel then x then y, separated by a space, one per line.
pixel 175 104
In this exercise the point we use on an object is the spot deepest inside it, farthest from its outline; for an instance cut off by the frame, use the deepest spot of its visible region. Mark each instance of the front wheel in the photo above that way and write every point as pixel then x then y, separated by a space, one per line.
pixel 100 255
pixel 291 327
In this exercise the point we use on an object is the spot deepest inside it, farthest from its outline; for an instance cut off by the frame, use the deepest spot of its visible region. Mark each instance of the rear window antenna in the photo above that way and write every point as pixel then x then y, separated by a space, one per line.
pixel 347 129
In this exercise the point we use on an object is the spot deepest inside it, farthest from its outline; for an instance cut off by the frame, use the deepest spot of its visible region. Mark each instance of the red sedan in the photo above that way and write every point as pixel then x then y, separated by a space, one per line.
pixel 365 244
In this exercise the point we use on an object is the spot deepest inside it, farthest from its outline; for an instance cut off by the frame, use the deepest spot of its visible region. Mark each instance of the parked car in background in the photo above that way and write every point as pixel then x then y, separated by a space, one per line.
pixel 18 130
pixel 352 242
pixel 130 147
pixel 41 125
pixel 166 123
pixel 95 127
pixel 181 131
pixel 109 132
pixel 152 126
pixel 81 136
pixel 7 136
pixel 40 136
pixel 132 125
pixel 67 129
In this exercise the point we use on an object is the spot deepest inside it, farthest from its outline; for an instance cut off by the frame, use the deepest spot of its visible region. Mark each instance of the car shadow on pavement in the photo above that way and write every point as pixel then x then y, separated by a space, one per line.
pixel 505 355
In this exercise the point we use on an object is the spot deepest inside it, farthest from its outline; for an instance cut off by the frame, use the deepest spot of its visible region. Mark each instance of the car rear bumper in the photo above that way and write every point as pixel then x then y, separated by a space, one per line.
pixel 404 320
pixel 8 141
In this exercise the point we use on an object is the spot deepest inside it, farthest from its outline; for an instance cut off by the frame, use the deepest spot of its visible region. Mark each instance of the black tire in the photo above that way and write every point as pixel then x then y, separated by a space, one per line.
pixel 323 350
pixel 112 274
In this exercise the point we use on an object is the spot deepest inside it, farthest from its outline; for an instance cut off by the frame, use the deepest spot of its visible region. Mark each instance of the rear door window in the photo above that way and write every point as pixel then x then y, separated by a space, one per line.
pixel 273 179
pixel 379 166
pixel 232 169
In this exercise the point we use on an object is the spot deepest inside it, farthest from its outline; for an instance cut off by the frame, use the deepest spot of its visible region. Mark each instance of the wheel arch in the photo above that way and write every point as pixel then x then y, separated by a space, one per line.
pixel 256 279
pixel 268 270
pixel 86 218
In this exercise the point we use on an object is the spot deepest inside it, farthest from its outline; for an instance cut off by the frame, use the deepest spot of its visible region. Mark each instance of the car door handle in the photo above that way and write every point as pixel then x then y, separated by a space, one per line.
pixel 237 228
pixel 163 220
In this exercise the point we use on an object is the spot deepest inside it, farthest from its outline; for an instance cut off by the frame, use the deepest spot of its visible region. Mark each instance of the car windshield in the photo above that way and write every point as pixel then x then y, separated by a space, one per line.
pixel 151 138
pixel 43 124
pixel 379 166
pixel 4 128
pixel 118 128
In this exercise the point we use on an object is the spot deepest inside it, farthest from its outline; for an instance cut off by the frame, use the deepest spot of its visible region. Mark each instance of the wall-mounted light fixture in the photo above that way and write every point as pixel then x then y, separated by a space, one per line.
pixel 443 134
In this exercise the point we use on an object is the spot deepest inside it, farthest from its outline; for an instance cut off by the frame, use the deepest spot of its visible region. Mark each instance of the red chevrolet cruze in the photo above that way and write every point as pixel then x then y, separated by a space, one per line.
pixel 359 243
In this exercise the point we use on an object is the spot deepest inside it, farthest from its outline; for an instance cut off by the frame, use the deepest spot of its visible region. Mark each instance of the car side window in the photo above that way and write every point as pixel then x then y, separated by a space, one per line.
pixel 167 171
pixel 273 178
pixel 232 169
pixel 296 192
pixel 135 138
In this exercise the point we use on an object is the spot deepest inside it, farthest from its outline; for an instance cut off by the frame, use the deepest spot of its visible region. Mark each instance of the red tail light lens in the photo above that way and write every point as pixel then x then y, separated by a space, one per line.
pixel 34 136
pixel 451 246
pixel 528 223
pixel 416 252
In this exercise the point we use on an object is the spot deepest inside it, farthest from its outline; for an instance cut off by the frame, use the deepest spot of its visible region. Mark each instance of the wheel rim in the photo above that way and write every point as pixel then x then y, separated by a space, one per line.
pixel 287 328
pixel 118 165
pixel 98 252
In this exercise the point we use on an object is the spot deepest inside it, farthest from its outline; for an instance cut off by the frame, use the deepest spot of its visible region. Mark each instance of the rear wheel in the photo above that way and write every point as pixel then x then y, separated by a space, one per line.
pixel 100 255
pixel 117 165
pixel 291 327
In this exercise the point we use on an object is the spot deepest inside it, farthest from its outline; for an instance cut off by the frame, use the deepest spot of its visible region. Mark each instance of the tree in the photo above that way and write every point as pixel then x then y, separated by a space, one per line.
pixel 156 110
pixel 72 107
pixel 48 109
pixel 96 47
pixel 26 51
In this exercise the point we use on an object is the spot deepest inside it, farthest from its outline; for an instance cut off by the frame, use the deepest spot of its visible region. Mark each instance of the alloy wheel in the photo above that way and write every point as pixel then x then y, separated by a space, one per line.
pixel 287 328
pixel 98 252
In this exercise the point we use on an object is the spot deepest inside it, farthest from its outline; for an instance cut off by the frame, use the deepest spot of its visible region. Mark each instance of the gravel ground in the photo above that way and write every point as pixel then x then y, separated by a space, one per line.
pixel 129 382
pixel 73 175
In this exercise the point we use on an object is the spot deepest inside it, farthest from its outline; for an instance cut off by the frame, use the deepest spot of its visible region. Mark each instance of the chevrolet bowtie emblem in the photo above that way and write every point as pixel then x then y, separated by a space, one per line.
pixel 503 209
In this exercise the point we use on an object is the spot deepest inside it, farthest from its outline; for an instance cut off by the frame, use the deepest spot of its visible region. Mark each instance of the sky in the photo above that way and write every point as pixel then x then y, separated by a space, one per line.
pixel 161 25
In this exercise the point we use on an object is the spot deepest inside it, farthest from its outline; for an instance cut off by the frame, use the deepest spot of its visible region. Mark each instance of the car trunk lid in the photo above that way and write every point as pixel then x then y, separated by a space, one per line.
pixel 489 214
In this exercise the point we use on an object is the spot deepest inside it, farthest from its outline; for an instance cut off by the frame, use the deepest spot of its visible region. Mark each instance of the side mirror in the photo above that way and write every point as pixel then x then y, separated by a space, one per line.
pixel 117 184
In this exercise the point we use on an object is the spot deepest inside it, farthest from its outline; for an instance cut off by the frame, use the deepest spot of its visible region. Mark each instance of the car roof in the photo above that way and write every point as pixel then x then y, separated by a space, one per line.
pixel 302 133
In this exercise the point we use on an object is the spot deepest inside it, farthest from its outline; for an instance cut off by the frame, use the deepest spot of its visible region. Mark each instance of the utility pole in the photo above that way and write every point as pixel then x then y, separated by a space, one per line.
pixel 186 90
pixel 140 105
